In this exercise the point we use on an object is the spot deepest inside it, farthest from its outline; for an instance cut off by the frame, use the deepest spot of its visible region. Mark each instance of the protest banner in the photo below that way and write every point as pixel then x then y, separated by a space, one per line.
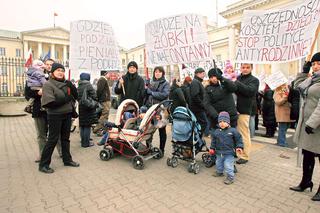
pixel 93 48
pixel 275 36
pixel 176 40
pixel 276 79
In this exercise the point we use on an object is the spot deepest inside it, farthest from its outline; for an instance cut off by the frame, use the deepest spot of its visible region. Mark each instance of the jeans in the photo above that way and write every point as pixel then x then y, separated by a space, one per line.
pixel 85 135
pixel 225 163
pixel 252 125
pixel 59 125
pixel 282 130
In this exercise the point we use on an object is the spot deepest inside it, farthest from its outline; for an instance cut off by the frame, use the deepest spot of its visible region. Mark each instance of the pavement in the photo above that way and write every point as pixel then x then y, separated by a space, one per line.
pixel 115 186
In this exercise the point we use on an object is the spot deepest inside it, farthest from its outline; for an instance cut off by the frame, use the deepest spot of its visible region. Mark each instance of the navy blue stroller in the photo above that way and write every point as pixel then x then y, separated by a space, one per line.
pixel 187 141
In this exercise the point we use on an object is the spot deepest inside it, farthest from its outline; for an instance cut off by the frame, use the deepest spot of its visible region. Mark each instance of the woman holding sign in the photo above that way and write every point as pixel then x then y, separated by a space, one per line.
pixel 308 128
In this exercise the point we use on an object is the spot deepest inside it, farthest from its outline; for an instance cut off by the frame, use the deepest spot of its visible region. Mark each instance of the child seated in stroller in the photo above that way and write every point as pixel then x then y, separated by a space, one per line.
pixel 224 143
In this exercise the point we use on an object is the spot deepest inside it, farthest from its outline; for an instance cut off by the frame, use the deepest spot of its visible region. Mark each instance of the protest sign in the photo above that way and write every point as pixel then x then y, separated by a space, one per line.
pixel 275 36
pixel 176 40
pixel 93 48
pixel 276 79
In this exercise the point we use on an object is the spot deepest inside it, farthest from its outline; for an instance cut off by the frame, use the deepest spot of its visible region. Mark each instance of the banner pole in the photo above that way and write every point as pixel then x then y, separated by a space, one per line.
pixel 146 73
pixel 313 43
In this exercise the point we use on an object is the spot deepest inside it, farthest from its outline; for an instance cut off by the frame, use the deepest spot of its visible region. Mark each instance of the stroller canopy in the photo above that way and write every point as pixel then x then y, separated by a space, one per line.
pixel 126 105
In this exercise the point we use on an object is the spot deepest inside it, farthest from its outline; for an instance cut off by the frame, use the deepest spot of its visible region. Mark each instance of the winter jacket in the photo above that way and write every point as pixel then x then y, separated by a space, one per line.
pixel 197 95
pixel 282 107
pixel 36 77
pixel 177 97
pixel 159 92
pixel 36 110
pixel 103 90
pixel 219 98
pixel 268 113
pixel 309 112
pixel 57 96
pixel 225 141
pixel 87 117
pixel 247 87
pixel 134 88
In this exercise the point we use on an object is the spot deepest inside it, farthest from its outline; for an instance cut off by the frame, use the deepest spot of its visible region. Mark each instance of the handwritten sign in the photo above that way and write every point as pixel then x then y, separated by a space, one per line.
pixel 276 79
pixel 275 36
pixel 93 48
pixel 176 40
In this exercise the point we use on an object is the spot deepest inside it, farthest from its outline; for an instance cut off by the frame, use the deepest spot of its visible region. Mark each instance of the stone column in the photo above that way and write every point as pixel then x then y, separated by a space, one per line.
pixel 25 49
pixel 65 54
pixel 232 42
pixel 53 52
pixel 39 49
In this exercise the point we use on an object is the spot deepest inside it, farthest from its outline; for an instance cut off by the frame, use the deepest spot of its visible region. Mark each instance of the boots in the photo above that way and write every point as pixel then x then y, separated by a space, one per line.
pixel 316 197
pixel 308 165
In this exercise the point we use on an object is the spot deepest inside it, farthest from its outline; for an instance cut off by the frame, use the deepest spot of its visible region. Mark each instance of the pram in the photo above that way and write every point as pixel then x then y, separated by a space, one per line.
pixel 129 139
pixel 186 141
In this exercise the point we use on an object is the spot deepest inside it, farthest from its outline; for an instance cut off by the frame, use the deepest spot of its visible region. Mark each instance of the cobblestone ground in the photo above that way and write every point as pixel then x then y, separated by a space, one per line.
pixel 114 186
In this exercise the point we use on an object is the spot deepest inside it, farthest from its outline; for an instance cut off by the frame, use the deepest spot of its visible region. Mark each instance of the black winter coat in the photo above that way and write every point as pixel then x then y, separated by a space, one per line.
pixel 248 86
pixel 87 117
pixel 36 112
pixel 103 90
pixel 134 88
pixel 177 97
pixel 197 95
pixel 294 100
pixel 219 98
pixel 268 113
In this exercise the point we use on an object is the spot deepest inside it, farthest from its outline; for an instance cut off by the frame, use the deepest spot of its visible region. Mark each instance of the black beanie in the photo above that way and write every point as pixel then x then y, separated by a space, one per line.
pixel 56 66
pixel 199 70
pixel 214 72
pixel 315 57
pixel 132 63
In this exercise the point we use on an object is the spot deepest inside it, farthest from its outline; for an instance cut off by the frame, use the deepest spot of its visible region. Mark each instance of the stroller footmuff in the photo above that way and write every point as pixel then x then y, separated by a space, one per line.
pixel 187 141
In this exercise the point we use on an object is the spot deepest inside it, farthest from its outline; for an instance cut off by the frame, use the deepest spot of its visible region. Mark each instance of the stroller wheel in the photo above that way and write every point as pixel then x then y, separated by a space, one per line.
pixel 208 160
pixel 137 162
pixel 174 162
pixel 105 155
pixel 190 167
pixel 110 150
pixel 196 168
pixel 157 153
pixel 169 163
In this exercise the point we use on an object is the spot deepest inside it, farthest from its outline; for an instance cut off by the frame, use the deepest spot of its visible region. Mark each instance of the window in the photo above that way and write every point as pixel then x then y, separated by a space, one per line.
pixel 4 89
pixel 18 52
pixel 56 54
pixel 19 71
pixel 123 62
pixel 140 58
pixel 2 51
pixel 19 87
pixel 218 57
pixel 3 70
pixel 132 57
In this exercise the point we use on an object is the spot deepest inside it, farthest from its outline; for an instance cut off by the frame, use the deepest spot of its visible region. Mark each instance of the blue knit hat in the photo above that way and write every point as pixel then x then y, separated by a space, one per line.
pixel 85 76
pixel 224 116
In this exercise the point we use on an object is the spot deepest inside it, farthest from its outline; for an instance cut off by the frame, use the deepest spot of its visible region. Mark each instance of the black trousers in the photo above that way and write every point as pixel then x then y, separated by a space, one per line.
pixel 162 136
pixel 58 125
pixel 308 165
pixel 202 120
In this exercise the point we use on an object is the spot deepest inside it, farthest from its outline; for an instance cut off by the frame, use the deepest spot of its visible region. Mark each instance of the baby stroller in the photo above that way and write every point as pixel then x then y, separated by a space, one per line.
pixel 128 137
pixel 186 141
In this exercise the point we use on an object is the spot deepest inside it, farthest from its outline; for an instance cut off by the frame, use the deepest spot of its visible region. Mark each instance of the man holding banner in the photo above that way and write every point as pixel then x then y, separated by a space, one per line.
pixel 248 86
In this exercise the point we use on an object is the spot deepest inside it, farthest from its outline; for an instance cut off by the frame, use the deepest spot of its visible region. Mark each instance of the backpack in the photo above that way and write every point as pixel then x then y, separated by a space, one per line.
pixel 294 100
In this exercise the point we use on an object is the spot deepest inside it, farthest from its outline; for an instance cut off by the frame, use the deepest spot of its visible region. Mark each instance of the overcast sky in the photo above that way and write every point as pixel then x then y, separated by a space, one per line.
pixel 127 17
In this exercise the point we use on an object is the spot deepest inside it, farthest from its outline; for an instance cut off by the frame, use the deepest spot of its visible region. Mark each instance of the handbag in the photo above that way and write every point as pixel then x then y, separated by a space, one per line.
pixel 86 101
pixel 99 108
pixel 74 111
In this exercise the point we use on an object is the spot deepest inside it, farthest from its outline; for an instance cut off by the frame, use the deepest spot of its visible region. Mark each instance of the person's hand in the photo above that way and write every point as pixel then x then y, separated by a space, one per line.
pixel 306 67
pixel 149 92
pixel 40 92
pixel 239 151
pixel 309 130
pixel 69 84
pixel 212 151
pixel 219 75
pixel 121 81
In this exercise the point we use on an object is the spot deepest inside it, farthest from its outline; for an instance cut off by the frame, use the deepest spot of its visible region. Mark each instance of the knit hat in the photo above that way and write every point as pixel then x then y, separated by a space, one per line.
pixel 56 66
pixel 214 72
pixel 85 76
pixel 315 57
pixel 37 64
pixel 199 70
pixel 224 116
pixel 143 109
pixel 132 63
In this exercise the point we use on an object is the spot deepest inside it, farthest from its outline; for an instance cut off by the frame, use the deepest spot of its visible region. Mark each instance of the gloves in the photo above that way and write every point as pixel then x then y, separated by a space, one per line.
pixel 212 151
pixel 219 75
pixel 149 92
pixel 309 130
pixel 306 67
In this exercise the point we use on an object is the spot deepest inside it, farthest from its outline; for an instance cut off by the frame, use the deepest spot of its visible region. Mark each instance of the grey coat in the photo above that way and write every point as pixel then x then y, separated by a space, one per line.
pixel 309 114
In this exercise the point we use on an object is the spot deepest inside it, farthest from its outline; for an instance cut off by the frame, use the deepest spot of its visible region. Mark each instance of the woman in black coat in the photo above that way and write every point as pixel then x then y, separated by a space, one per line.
pixel 87 116
pixel 176 95
pixel 268 113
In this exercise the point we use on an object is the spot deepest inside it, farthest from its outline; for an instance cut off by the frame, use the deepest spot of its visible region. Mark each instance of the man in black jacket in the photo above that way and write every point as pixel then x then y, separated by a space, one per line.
pixel 247 87
pixel 103 95
pixel 197 98
pixel 131 85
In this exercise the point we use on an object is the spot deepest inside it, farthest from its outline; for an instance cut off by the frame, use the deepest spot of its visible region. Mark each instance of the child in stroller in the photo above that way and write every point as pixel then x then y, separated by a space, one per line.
pixel 124 138
pixel 186 140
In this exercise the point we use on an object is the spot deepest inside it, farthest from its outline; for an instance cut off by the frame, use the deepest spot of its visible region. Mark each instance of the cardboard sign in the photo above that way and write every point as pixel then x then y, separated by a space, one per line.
pixel 276 79
pixel 93 48
pixel 275 36
pixel 177 40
